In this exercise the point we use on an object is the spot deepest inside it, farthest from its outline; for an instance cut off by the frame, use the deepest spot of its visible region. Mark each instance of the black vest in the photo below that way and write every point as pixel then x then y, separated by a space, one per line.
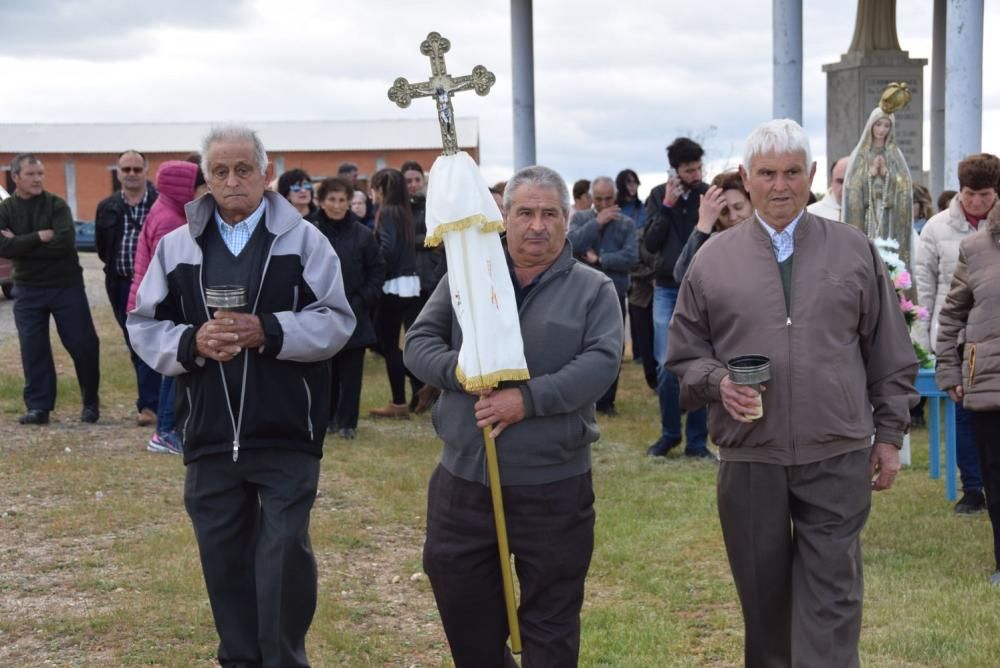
pixel 221 267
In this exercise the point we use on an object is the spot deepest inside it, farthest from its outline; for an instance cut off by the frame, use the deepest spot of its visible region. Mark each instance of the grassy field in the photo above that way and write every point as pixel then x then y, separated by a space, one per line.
pixel 98 565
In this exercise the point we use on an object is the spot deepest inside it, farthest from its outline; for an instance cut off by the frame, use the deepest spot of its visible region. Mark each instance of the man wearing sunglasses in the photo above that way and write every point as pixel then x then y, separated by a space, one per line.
pixel 117 225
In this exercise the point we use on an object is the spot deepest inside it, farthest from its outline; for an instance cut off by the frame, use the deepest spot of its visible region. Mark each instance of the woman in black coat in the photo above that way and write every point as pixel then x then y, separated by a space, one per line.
pixel 363 270
pixel 400 302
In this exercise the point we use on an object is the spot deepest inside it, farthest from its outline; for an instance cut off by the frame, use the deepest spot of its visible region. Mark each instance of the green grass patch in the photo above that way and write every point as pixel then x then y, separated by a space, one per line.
pixel 100 567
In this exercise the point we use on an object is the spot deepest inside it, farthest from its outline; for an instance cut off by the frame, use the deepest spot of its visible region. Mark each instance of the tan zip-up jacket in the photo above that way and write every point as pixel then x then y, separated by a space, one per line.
pixel 968 343
pixel 842 366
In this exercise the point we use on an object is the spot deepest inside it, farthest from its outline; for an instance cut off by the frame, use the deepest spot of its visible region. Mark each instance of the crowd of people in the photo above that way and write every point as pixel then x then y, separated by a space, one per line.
pixel 699 273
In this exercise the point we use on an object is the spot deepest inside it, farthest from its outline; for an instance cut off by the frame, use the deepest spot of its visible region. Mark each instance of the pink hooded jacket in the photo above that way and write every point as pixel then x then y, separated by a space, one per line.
pixel 175 181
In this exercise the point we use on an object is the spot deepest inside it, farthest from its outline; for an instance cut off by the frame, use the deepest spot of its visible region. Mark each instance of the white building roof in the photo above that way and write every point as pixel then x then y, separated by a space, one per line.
pixel 277 136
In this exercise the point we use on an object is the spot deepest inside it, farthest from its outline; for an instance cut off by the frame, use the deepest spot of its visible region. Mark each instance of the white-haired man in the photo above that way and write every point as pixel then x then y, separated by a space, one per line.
pixel 794 486
pixel 256 389
pixel 572 330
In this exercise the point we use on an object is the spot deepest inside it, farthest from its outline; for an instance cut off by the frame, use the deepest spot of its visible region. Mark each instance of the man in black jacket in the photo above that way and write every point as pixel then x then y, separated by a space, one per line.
pixel 672 212
pixel 255 389
pixel 117 226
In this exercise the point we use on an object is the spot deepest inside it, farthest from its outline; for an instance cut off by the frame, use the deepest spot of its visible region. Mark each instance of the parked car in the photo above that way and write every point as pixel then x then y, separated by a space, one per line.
pixel 85 240
pixel 6 266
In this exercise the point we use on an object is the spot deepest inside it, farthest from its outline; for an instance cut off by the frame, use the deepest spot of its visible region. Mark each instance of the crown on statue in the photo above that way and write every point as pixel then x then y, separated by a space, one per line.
pixel 895 97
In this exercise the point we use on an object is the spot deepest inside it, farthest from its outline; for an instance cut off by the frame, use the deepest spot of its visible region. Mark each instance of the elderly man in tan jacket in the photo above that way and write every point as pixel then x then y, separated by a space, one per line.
pixel 794 486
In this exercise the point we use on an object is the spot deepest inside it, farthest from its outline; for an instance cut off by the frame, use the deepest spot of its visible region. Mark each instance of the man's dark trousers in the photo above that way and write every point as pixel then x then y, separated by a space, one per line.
pixel 251 519
pixel 607 400
pixel 347 369
pixel 69 307
pixel 987 426
pixel 641 318
pixel 147 380
pixel 550 530
pixel 793 536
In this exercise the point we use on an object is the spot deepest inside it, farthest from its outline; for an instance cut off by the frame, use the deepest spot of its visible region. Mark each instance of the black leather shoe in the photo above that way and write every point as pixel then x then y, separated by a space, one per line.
pixel 90 414
pixel 702 454
pixel 661 447
pixel 972 502
pixel 34 416
pixel 608 411
pixel 348 433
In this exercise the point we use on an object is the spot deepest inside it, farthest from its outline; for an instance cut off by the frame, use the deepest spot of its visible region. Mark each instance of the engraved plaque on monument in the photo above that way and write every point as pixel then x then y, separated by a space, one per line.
pixel 855 84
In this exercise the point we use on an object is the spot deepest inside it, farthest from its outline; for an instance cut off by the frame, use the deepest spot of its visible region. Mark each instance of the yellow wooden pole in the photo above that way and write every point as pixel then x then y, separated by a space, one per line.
pixel 493 469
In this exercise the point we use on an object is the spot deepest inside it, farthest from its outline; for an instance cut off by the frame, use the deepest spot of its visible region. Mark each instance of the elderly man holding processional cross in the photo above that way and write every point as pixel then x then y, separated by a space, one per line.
pixel 572 331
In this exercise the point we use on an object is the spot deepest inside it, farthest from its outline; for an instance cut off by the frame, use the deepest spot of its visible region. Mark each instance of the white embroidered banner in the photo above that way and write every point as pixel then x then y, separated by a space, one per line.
pixel 462 213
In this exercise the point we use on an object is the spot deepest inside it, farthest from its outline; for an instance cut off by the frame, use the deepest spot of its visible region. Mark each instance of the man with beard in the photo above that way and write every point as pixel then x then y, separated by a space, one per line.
pixel 672 213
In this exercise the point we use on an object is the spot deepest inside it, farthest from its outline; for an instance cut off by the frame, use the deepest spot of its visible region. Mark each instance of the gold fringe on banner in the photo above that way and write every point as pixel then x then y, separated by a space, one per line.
pixel 485 225
pixel 490 380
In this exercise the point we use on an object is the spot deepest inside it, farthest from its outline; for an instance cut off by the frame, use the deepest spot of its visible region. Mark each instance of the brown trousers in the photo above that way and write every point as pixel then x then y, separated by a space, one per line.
pixel 792 534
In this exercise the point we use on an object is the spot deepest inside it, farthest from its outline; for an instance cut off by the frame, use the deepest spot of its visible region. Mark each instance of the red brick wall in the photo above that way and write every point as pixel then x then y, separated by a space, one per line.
pixel 94 177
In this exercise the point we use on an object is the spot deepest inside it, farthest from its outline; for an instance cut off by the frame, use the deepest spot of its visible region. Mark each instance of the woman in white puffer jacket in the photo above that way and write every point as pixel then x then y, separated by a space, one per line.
pixel 937 252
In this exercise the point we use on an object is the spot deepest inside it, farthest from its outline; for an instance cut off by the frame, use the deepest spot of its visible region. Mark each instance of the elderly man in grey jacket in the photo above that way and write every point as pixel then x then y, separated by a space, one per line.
pixel 254 384
pixel 572 330
pixel 794 486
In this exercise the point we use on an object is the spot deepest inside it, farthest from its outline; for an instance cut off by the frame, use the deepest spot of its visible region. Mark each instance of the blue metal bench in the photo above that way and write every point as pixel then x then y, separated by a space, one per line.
pixel 928 388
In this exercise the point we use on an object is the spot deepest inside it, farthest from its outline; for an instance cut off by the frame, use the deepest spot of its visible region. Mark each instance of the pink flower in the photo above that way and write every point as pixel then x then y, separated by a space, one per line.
pixel 903 281
pixel 906 305
pixel 923 313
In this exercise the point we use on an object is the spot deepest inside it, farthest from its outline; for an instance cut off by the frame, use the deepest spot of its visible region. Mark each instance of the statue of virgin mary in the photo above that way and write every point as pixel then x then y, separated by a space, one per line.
pixel 878 189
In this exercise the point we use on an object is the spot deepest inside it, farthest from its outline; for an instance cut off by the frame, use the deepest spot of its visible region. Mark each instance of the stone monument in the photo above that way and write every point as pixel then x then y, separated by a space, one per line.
pixel 855 84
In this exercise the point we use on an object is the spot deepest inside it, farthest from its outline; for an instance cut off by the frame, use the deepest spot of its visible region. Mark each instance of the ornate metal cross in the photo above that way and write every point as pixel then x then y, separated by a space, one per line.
pixel 441 86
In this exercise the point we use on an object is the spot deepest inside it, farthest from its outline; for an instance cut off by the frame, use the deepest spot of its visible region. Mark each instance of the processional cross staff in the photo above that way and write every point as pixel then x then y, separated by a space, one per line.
pixel 462 173
pixel 441 86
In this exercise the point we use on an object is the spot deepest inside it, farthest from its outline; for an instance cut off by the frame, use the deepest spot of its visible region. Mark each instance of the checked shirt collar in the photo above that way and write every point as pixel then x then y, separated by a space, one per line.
pixel 782 242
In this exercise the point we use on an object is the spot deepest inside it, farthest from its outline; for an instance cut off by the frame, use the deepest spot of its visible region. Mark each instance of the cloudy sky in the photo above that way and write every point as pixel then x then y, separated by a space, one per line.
pixel 614 81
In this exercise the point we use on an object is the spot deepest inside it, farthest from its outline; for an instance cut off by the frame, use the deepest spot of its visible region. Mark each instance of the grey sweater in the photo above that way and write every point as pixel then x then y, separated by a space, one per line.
pixel 571 325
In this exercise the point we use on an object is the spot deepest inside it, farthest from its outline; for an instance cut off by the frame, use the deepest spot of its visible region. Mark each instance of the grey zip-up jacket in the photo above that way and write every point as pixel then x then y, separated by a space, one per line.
pixel 842 366
pixel 306 319
pixel 571 324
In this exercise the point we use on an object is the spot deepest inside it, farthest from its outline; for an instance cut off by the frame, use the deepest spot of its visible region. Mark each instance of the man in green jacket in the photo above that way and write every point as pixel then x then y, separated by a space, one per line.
pixel 36 232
